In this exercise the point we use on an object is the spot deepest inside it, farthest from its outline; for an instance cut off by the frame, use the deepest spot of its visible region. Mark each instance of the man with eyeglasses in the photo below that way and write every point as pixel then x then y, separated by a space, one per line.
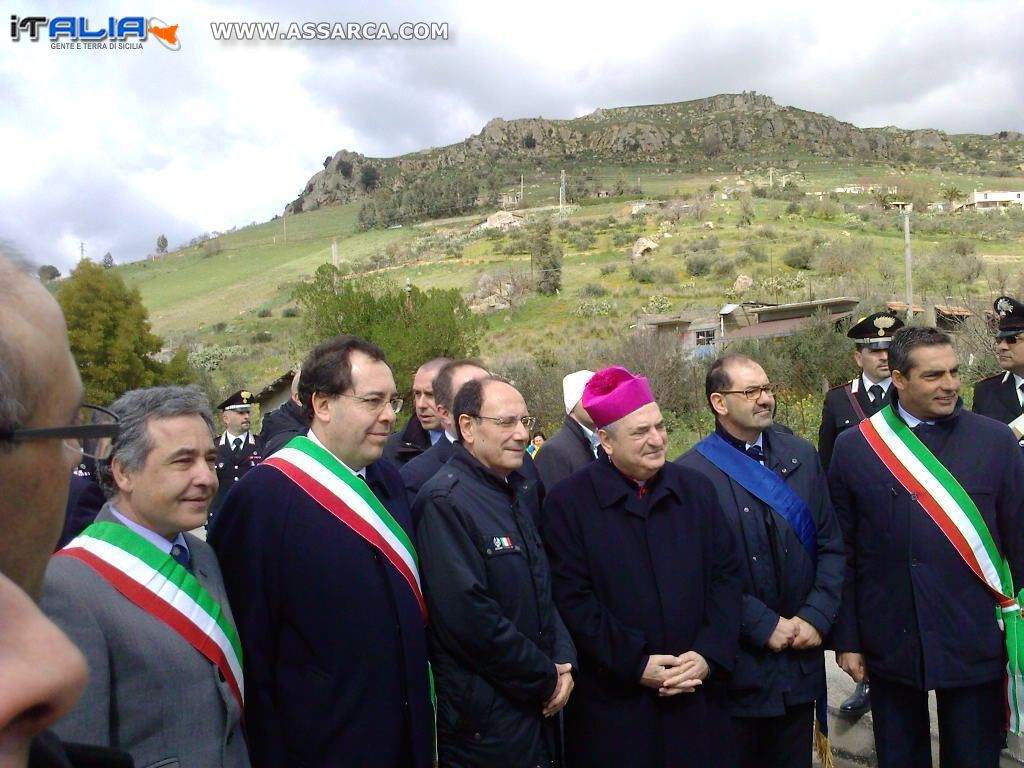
pixel 644 574
pixel 1000 397
pixel 774 494
pixel 502 658
pixel 42 674
pixel 316 548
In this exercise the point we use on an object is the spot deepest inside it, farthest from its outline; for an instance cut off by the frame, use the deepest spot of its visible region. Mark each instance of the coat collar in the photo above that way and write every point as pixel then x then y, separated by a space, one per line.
pixel 413 434
pixel 471 465
pixel 614 489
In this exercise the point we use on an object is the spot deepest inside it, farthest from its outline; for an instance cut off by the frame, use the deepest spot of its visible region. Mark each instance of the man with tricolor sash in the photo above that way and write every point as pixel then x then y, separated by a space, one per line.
pixel 502 657
pixel 774 496
pixel 316 548
pixel 930 498
pixel 144 600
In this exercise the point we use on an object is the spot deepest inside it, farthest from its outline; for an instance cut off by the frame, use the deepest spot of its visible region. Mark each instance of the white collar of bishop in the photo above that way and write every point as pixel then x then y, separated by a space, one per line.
pixel 152 537
pixel 911 420
pixel 316 440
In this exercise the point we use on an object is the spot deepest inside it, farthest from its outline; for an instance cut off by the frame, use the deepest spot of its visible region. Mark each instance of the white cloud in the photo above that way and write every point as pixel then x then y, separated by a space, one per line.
pixel 114 147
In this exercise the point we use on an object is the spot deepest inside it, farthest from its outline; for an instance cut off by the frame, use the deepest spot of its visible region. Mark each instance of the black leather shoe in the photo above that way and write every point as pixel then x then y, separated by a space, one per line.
pixel 859 701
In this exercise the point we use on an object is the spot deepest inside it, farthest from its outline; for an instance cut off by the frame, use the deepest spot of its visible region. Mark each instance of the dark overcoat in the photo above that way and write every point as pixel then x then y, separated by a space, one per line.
pixel 280 426
pixel 404 446
pixel 495 634
pixel 416 473
pixel 838 415
pixel 567 451
pixel 333 637
pixel 996 397
pixel 779 577
pixel 910 604
pixel 635 576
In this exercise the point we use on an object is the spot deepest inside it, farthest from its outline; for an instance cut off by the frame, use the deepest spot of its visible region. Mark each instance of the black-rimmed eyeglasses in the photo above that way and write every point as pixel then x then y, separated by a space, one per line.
pixel 92 433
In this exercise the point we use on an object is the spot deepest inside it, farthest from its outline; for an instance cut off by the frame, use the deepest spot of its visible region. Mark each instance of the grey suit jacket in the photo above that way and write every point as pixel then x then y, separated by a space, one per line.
pixel 149 692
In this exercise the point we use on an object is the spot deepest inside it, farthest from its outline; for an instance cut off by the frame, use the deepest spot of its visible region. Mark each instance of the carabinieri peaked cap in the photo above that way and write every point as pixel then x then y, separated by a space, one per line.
pixel 875 331
pixel 242 400
pixel 1010 317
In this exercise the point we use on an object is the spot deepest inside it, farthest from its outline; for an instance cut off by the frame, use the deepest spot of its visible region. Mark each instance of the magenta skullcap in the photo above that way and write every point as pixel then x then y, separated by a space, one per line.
pixel 613 393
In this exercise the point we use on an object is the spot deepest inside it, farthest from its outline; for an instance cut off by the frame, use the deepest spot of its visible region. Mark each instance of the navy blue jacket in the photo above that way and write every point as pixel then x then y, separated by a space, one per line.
pixel 779 577
pixel 495 635
pixel 910 604
pixel 416 473
pixel 635 576
pixel 568 450
pixel 333 639
pixel 280 426
pixel 402 447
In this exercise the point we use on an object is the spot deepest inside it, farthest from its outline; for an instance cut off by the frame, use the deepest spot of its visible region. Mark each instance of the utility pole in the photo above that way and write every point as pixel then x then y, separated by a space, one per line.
pixel 521 193
pixel 908 263
pixel 561 197
pixel 334 252
pixel 285 220
pixel 81 251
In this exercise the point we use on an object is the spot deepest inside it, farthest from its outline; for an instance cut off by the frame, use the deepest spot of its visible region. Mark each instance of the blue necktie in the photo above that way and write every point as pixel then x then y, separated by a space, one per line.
pixel 180 553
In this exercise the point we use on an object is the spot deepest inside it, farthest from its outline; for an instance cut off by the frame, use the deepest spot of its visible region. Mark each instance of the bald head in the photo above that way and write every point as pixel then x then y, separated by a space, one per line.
pixel 39 387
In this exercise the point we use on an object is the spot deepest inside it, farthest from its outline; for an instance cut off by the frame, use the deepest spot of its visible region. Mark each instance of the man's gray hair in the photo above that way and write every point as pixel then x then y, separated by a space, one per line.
pixel 135 409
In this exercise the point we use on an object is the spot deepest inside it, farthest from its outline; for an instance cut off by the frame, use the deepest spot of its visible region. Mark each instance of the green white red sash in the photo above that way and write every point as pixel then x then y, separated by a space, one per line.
pixel 346 496
pixel 952 509
pixel 163 588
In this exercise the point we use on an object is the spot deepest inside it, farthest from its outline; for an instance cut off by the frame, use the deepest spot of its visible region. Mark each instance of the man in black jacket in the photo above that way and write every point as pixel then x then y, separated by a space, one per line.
pixel 447 383
pixel 286 422
pixel 790 591
pixel 502 658
pixel 915 617
pixel 999 397
pixel 424 426
pixel 575 445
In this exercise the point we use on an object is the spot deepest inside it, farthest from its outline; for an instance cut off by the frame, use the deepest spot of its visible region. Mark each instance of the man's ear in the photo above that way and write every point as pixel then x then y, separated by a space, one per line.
pixel 466 425
pixel 320 402
pixel 122 479
pixel 718 404
pixel 606 441
pixel 899 380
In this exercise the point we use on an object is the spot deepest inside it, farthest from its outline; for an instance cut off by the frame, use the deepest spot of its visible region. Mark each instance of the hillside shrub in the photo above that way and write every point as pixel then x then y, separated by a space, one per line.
pixel 698 264
pixel 799 257
pixel 592 290
pixel 262 337
pixel 264 313
pixel 290 312
pixel 609 269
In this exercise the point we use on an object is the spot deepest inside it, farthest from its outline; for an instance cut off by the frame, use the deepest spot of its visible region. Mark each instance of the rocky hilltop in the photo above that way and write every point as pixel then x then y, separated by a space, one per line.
pixel 723 130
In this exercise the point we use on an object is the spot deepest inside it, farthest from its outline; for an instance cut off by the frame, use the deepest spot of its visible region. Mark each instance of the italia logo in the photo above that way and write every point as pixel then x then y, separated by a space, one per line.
pixel 64 32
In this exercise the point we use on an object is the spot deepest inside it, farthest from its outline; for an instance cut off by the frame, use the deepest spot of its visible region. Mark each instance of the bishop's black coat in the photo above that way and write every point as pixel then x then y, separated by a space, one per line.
pixel 779 577
pixel 333 639
pixel 635 576
pixel 910 604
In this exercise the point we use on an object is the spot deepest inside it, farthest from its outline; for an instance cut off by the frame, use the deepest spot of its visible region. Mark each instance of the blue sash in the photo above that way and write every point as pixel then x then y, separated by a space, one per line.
pixel 764 485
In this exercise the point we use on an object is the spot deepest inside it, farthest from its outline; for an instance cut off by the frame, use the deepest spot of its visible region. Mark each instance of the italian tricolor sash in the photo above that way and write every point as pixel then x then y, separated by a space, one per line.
pixel 163 588
pixel 346 496
pixel 948 505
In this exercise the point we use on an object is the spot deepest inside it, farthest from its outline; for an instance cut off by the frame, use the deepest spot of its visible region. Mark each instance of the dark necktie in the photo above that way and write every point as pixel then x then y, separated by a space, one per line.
pixel 1020 396
pixel 877 393
pixel 180 553
pixel 755 453
pixel 237 445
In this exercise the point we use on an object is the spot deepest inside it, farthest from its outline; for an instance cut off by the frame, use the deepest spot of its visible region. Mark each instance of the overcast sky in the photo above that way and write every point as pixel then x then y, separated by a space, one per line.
pixel 114 147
